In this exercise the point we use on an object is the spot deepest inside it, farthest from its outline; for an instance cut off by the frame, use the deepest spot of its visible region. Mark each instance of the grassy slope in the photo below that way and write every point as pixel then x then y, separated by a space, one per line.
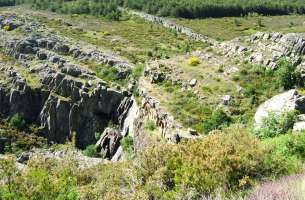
pixel 131 37
pixel 230 27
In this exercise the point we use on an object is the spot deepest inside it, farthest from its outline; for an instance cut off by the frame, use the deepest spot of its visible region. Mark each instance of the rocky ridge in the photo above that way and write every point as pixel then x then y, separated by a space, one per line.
pixel 48 80
pixel 173 26
pixel 45 82
pixel 267 48
pixel 51 80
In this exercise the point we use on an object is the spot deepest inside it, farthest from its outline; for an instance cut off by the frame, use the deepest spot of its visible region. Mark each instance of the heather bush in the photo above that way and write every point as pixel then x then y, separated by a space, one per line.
pixel 232 159
pixel 287 188
pixel 46 180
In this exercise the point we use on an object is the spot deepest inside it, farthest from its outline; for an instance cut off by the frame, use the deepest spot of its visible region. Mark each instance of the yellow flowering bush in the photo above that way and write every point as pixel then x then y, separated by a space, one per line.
pixel 194 61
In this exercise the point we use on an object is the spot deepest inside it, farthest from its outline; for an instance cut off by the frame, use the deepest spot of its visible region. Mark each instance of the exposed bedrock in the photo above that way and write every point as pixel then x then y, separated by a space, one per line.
pixel 285 102
pixel 53 87
pixel 267 48
pixel 67 108
pixel 25 101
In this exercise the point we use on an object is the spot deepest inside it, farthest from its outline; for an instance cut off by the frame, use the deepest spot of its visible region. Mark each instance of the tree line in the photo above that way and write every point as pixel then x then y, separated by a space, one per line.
pixel 106 8
pixel 176 8
pixel 216 8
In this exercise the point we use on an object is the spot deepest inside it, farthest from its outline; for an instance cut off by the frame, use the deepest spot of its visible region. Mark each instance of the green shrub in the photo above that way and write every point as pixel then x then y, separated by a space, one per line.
pixel 97 135
pixel 237 22
pixel 218 120
pixel 91 151
pixel 137 71
pixel 260 22
pixel 221 69
pixel 150 125
pixel 232 159
pixel 288 150
pixel 275 125
pixel 17 122
pixel 287 75
pixel 289 145
pixel 127 145
pixel 40 180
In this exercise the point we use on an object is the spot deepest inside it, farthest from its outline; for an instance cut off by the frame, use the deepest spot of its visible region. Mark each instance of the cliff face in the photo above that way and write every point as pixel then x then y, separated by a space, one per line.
pixel 46 79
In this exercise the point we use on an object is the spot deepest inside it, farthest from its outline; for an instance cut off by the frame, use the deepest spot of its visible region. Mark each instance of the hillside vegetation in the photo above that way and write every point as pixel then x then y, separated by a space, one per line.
pixel 221 8
pixel 103 103
pixel 175 8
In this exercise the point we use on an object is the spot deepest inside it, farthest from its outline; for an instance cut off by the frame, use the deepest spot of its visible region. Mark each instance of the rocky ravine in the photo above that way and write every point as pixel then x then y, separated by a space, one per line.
pixel 49 80
pixel 43 78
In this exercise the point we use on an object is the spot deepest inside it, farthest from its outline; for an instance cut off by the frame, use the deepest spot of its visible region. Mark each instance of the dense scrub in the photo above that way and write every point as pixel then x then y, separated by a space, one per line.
pixel 228 161
pixel 208 8
pixel 275 125
pixel 20 140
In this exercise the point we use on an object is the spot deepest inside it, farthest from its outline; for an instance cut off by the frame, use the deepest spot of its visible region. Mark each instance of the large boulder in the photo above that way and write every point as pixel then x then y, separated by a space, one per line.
pixel 285 102
pixel 109 143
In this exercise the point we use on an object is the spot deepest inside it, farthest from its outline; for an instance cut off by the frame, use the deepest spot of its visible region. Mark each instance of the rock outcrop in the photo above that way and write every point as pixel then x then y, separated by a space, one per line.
pixel 285 102
pixel 173 26
pixel 52 85
pixel 267 48
pixel 109 142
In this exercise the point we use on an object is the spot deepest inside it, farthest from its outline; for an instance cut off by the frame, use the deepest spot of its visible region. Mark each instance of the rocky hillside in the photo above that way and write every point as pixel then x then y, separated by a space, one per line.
pixel 145 108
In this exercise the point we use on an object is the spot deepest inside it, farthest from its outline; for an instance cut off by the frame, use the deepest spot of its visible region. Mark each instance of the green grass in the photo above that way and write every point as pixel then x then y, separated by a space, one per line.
pixel 258 85
pixel 228 28
pixel 131 37
pixel 32 80
pixel 186 107
pixel 150 125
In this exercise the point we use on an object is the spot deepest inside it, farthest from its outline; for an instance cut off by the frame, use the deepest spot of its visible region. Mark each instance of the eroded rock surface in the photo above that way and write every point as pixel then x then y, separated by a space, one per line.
pixel 285 102
pixel 48 81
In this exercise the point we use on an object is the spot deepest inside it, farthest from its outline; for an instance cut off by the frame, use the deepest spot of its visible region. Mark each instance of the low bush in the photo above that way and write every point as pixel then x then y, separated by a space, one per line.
pixel 17 122
pixel 287 75
pixel 289 145
pixel 40 180
pixel 194 61
pixel 137 71
pixel 231 160
pixel 150 125
pixel 20 141
pixel 275 125
pixel 91 151
pixel 127 145
pixel 218 120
